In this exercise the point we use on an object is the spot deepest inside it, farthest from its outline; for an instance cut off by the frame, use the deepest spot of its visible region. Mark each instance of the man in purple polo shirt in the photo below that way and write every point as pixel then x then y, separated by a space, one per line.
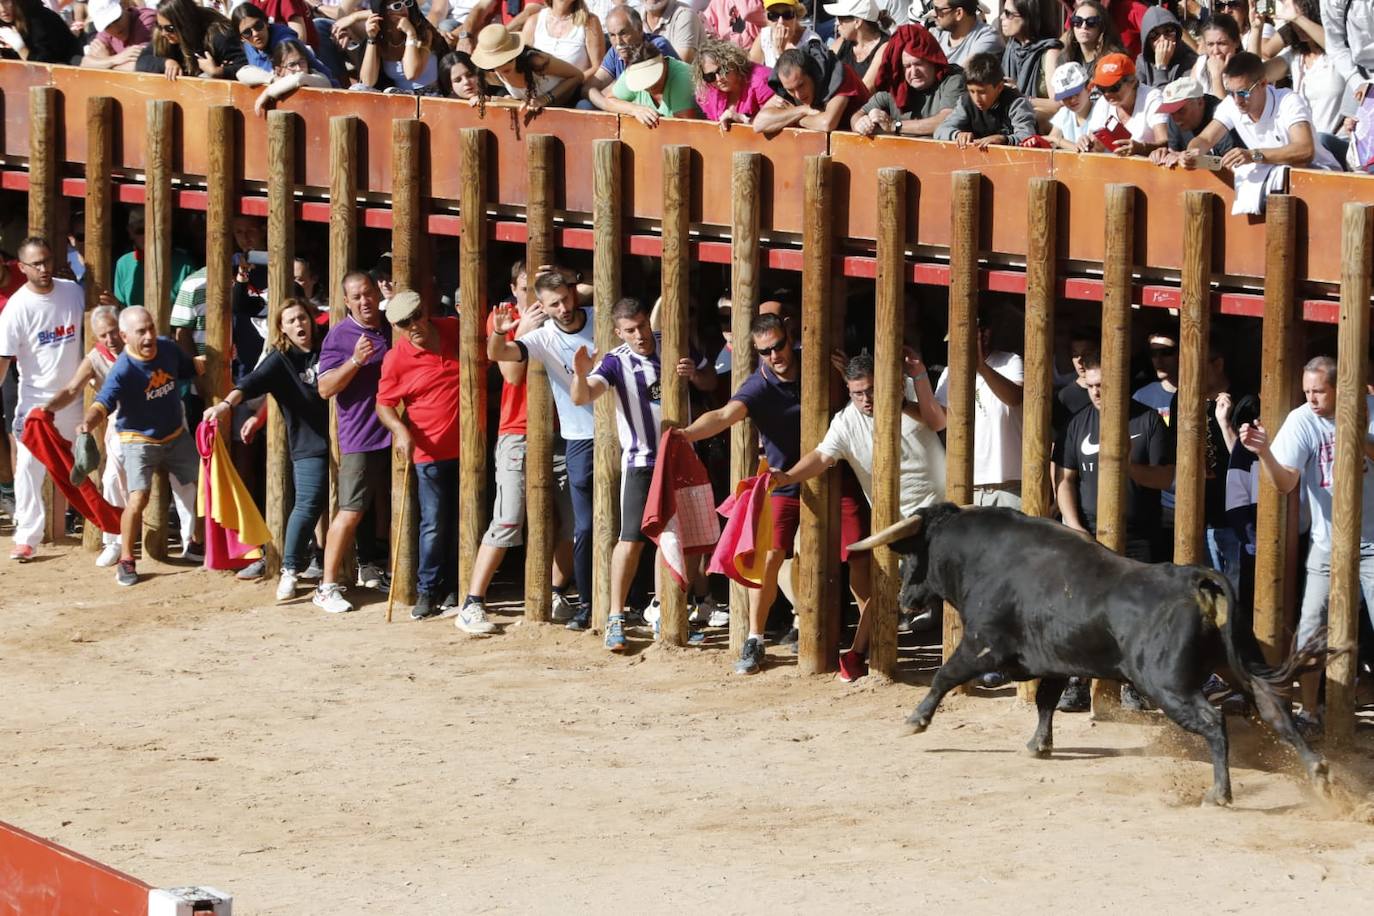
pixel 771 397
pixel 350 369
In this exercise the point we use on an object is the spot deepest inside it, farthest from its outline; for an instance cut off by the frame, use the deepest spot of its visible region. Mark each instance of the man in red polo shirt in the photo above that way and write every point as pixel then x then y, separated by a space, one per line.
pixel 420 373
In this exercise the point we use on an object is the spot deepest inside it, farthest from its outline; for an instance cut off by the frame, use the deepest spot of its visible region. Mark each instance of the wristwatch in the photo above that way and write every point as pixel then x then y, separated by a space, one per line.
pixel 896 127
pixel 464 34
pixel 1256 155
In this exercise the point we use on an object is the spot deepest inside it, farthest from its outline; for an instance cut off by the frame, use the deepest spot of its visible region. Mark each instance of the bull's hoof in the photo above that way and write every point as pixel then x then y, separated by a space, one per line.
pixel 914 726
pixel 1216 798
pixel 1320 774
pixel 1039 751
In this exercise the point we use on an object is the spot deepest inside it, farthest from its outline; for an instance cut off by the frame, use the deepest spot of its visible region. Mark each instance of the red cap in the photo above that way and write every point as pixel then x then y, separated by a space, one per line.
pixel 1112 69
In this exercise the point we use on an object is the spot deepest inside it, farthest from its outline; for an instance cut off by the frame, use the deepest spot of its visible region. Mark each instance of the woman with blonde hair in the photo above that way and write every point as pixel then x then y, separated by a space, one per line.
pixel 288 371
pixel 538 79
pixel 567 30
pixel 730 87
pixel 784 31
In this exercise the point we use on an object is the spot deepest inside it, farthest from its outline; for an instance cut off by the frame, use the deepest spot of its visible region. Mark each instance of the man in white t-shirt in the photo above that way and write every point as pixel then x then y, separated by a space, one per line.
pixel 1274 124
pixel 40 331
pixel 554 343
pixel 850 437
pixel 1304 452
pixel 997 398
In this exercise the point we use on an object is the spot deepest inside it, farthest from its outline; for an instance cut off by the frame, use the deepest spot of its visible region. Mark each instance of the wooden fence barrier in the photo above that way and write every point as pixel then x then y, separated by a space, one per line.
pixel 798 202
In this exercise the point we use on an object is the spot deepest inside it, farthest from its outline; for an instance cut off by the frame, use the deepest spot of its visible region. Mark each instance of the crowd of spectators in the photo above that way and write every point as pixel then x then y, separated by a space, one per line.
pixel 1241 85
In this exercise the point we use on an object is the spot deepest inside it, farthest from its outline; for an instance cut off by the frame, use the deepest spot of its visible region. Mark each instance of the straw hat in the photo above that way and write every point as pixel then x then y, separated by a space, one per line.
pixel 639 77
pixel 496 45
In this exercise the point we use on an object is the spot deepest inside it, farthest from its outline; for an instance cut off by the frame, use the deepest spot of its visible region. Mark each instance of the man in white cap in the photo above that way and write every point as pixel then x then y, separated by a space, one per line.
pixel 1190 109
pixel 656 87
pixel 121 34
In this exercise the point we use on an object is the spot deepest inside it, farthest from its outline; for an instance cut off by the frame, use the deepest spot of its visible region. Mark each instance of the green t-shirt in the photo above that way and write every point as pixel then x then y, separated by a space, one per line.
pixel 128 277
pixel 678 92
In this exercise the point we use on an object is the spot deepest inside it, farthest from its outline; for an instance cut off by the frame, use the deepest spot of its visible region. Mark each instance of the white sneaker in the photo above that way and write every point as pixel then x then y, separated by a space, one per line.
pixel 562 608
pixel 720 617
pixel 328 599
pixel 286 585
pixel 108 557
pixel 652 612
pixel 701 612
pixel 473 619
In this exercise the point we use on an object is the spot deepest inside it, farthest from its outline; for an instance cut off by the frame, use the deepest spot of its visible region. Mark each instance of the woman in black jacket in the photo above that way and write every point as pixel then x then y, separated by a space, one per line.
pixel 192 40
pixel 32 32
pixel 288 373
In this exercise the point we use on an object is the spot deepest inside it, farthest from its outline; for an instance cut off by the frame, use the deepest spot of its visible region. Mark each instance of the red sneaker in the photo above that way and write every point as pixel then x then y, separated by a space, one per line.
pixel 22 553
pixel 852 666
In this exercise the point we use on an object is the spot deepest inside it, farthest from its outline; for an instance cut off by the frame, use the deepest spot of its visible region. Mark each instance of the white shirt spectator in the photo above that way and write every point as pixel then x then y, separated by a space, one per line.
pixel 555 348
pixel 1282 109
pixel 42 331
pixel 996 425
pixel 1307 442
pixel 1145 116
pixel 1349 26
pixel 1323 87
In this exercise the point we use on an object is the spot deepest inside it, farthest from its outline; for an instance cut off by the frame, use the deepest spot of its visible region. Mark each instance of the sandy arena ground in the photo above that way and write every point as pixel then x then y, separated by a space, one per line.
pixel 188 731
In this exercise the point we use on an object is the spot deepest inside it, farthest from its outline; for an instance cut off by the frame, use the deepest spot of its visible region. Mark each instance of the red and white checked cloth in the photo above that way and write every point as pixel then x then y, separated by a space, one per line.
pixel 679 514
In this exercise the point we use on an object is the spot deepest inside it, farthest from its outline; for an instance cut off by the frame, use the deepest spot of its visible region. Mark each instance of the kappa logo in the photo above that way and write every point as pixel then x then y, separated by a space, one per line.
pixel 161 383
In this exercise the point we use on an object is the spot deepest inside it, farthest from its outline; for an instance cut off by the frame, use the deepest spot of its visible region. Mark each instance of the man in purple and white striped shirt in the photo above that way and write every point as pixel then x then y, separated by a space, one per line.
pixel 632 371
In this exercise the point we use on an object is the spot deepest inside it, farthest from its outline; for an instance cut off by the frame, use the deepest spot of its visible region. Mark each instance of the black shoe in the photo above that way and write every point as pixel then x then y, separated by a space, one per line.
pixel 1132 700
pixel 450 606
pixel 1076 697
pixel 580 621
pixel 750 657
pixel 791 640
pixel 424 607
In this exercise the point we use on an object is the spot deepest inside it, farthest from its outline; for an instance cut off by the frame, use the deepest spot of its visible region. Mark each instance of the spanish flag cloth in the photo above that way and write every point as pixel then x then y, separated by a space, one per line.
pixel 234 529
pixel 46 444
pixel 677 512
pixel 748 534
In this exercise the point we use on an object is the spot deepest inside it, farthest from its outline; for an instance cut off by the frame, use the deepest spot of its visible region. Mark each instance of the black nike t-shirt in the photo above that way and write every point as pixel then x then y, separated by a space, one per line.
pixel 1149 445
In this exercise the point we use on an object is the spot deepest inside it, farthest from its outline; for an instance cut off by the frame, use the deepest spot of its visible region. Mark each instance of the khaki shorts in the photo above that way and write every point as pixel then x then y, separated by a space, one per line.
pixel 361 476
pixel 508 511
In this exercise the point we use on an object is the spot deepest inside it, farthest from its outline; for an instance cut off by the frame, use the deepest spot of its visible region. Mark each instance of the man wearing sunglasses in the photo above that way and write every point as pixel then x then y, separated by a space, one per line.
pixel 962 32
pixel 771 397
pixel 1274 124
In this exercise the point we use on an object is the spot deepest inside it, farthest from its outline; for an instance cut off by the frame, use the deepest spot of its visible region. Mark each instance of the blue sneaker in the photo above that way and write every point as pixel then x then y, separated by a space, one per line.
pixel 580 621
pixel 615 633
pixel 750 657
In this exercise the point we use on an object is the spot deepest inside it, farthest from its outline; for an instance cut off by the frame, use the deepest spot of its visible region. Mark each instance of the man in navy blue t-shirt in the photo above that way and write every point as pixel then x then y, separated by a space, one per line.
pixel 771 397
pixel 142 384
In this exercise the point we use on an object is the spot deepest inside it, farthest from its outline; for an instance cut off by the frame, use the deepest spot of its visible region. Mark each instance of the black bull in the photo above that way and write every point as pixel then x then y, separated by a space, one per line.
pixel 1040 601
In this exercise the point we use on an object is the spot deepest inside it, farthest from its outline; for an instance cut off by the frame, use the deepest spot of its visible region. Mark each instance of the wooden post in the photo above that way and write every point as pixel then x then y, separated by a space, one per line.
pixel 1194 324
pixel 405 245
pixel 745 274
pixel 540 510
pixel 472 465
pixel 281 247
pixel 887 414
pixel 817 649
pixel 677 186
pixel 1037 496
pixel 607 228
pixel 1352 372
pixel 157 286
pixel 98 251
pixel 44 189
pixel 964 215
pixel 1114 457
pixel 219 252
pixel 343 234
pixel 1278 390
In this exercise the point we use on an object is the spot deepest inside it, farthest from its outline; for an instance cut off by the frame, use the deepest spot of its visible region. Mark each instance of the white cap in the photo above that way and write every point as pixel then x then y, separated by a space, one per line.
pixel 861 9
pixel 1068 80
pixel 104 13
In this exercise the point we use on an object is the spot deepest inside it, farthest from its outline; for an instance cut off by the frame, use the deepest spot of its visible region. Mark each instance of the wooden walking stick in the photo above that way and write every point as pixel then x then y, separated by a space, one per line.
pixel 405 507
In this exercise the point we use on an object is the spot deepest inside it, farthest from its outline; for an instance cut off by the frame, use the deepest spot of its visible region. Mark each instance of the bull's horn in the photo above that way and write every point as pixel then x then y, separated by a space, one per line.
pixel 903 529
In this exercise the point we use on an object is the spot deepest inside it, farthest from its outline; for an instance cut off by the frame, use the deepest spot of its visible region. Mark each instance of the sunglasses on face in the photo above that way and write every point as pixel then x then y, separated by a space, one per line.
pixel 169 28
pixel 1230 4
pixel 940 10
pixel 1114 88
pixel 709 76
pixel 397 6
pixel 786 15
pixel 1086 22
pixel 769 351
pixel 252 28
pixel 1242 95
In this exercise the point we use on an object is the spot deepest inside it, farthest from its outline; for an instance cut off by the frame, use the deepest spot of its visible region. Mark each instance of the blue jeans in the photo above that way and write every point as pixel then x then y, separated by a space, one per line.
pixel 1223 553
pixel 1318 589
pixel 311 477
pixel 579 455
pixel 436 483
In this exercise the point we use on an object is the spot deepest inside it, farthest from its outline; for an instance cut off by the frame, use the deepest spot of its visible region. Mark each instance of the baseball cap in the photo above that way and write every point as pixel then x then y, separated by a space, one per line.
pixel 1112 69
pixel 1180 92
pixel 1068 80
pixel 403 305
pixel 769 4
pixel 861 9
pixel 639 77
pixel 104 12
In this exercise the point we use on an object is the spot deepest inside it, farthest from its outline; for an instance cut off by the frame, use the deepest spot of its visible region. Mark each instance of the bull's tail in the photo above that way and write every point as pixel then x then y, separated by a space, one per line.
pixel 1243 653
